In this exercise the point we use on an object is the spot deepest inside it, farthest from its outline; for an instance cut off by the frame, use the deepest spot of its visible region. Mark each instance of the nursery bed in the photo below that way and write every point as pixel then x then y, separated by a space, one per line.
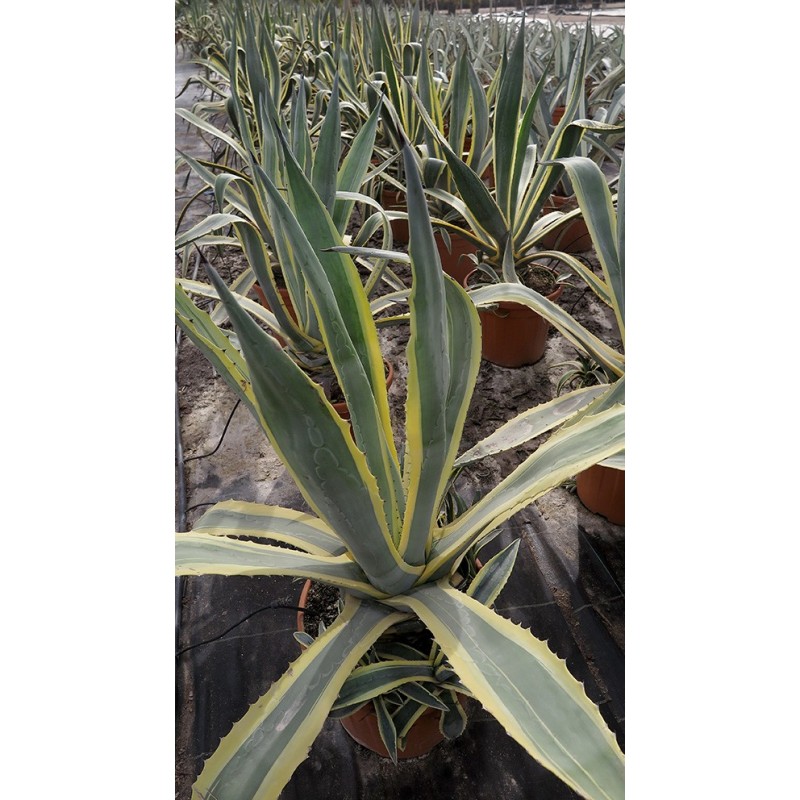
pixel 567 586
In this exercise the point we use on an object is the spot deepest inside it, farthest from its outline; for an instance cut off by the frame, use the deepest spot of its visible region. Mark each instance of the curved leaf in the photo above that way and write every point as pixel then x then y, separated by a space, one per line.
pixel 596 203
pixel 567 325
pixel 531 423
pixel 255 309
pixel 213 222
pixel 369 681
pixel 354 169
pixel 317 448
pixel 217 348
pixel 237 518
pixel 210 554
pixel 470 186
pixel 203 125
pixel 527 688
pixel 348 329
pixel 492 577
pixel 572 449
pixel 443 361
pixel 257 758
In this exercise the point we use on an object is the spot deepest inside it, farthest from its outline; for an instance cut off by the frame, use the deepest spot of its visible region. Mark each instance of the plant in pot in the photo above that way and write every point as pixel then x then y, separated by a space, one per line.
pixel 462 115
pixel 601 488
pixel 506 225
pixel 602 100
pixel 403 698
pixel 375 534
pixel 457 106
pixel 309 176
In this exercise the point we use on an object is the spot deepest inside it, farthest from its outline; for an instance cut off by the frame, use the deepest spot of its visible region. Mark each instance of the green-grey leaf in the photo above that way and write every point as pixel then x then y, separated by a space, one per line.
pixel 527 688
pixel 316 446
pixel 236 518
pixel 531 423
pixel 257 758
pixel 491 579
pixel 367 682
pixel 440 379
pixel 566 453
pixel 209 554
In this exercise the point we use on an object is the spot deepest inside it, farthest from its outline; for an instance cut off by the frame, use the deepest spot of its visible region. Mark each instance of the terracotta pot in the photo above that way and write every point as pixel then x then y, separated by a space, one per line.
pixel 513 335
pixel 422 738
pixel 393 200
pixel 558 114
pixel 455 262
pixel 362 726
pixel 573 236
pixel 602 490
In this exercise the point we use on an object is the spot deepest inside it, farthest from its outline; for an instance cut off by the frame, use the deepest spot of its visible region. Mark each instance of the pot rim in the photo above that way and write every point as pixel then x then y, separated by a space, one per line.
pixel 510 305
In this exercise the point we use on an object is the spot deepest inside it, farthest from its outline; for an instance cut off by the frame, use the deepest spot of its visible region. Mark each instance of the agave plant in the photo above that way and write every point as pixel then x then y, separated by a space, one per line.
pixel 507 223
pixel 196 24
pixel 606 226
pixel 310 174
pixel 583 371
pixel 375 530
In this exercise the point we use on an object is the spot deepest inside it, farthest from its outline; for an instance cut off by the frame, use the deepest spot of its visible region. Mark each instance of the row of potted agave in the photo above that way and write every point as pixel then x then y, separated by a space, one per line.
pixel 408 586
pixel 499 235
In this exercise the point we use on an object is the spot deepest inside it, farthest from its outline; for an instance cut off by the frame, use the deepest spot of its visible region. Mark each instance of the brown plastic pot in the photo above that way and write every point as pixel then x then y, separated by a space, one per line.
pixel 573 236
pixel 422 738
pixel 602 490
pixel 513 335
pixel 455 262
pixel 393 200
